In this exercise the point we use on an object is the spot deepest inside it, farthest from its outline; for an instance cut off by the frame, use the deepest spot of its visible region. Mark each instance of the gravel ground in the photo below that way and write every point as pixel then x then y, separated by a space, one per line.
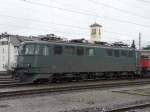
pixel 75 101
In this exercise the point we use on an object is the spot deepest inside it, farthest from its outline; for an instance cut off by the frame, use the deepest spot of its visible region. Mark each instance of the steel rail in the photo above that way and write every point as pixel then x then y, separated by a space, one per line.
pixel 123 109
pixel 66 88
pixel 19 84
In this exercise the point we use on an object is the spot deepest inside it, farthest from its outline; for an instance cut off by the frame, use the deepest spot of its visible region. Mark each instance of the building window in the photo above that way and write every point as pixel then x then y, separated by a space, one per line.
pixel 99 31
pixel 4 43
pixel 58 50
pixel 3 50
pixel 3 58
pixel 93 31
pixel 69 50
pixel 89 51
pixel 80 51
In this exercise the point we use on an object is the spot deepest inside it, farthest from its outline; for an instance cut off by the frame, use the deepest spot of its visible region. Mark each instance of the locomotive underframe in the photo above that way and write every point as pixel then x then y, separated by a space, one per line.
pixel 28 77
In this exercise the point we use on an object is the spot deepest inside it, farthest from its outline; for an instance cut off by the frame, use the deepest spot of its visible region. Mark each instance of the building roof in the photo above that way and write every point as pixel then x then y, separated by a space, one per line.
pixel 95 24
pixel 15 39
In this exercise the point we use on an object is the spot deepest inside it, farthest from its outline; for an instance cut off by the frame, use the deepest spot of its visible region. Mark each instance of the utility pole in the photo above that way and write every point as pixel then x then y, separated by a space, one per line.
pixel 139 54
pixel 140 40
pixel 8 52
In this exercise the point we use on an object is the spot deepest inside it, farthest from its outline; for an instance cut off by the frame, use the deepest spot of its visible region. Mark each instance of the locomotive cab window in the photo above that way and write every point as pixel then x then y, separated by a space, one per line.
pixel 37 50
pixel 89 51
pixel 80 51
pixel 29 49
pixel 58 50
pixel 144 56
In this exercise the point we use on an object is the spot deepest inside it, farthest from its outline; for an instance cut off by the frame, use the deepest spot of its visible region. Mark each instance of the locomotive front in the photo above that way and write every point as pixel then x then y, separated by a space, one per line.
pixel 28 65
pixel 24 61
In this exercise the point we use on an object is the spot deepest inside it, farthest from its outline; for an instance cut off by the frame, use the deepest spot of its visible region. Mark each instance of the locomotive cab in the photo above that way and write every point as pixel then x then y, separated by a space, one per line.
pixel 29 62
pixel 145 61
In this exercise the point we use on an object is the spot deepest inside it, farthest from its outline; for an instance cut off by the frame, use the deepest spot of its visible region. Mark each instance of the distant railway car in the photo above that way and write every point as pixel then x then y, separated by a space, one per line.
pixel 145 61
pixel 51 61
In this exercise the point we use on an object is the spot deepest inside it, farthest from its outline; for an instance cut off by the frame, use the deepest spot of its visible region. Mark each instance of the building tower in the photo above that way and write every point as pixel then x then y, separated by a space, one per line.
pixel 95 30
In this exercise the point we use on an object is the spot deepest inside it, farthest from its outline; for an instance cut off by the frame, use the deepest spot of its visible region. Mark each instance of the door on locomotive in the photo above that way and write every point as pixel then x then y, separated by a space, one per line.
pixel 145 61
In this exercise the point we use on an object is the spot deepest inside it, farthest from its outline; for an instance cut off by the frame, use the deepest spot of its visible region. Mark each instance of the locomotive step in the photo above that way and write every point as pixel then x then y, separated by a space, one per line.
pixel 8 82
pixel 5 77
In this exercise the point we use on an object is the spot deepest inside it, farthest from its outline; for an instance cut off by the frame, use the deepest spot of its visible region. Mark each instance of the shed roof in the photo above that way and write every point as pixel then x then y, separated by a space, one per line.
pixel 15 39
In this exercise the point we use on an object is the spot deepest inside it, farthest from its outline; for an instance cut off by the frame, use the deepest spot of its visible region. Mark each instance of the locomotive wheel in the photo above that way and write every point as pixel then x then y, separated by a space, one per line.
pixel 41 81
pixel 83 77
pixel 51 79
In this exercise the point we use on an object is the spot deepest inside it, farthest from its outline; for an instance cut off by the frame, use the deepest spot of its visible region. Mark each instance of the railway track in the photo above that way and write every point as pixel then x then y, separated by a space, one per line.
pixel 38 89
pixel 130 108
pixel 18 84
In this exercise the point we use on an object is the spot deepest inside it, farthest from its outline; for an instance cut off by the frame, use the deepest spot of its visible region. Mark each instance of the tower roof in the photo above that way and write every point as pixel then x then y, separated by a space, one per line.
pixel 95 24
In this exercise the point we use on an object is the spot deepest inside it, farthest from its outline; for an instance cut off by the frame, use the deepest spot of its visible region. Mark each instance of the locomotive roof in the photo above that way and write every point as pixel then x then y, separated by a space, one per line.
pixel 74 44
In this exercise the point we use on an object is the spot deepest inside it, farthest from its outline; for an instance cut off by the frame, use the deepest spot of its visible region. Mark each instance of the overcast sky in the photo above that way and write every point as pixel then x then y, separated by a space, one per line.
pixel 122 20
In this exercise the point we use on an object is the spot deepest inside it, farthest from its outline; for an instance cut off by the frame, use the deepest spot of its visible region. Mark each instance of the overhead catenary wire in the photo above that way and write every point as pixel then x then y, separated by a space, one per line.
pixel 39 21
pixel 118 9
pixel 145 1
pixel 63 25
pixel 40 29
pixel 61 32
pixel 89 14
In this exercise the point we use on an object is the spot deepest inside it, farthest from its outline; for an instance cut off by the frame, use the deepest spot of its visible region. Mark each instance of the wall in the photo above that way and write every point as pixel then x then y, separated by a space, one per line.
pixel 4 55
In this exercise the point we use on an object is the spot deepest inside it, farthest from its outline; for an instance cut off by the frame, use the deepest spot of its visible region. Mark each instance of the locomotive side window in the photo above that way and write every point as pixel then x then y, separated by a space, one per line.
pixel 45 50
pixel 89 51
pixel 58 50
pixel 69 50
pixel 29 49
pixel 116 53
pixel 144 56
pixel 80 51
pixel 109 52
pixel 130 54
pixel 124 53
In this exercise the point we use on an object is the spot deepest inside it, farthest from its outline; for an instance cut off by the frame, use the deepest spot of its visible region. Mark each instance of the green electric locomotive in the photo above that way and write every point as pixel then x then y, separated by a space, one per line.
pixel 51 61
